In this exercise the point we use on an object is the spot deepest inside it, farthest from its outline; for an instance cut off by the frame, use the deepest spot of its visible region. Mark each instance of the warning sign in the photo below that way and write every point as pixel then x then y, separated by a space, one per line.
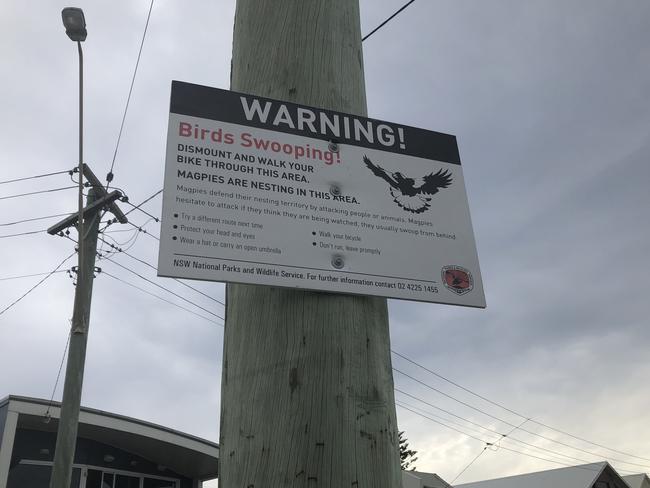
pixel 273 193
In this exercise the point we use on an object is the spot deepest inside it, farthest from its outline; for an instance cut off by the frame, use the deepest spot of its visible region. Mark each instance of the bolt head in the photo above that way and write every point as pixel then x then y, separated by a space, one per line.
pixel 335 190
pixel 338 262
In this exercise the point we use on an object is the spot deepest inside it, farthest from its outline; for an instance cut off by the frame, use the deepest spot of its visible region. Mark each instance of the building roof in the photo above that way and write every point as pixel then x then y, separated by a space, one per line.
pixel 183 453
pixel 637 480
pixel 583 476
pixel 431 480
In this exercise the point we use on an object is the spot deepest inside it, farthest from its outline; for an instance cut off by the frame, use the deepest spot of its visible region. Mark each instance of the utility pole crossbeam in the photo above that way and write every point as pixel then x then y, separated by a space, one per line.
pixel 307 389
pixel 90 209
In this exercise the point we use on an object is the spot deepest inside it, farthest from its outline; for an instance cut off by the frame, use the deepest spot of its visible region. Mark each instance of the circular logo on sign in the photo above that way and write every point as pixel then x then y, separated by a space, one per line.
pixel 457 279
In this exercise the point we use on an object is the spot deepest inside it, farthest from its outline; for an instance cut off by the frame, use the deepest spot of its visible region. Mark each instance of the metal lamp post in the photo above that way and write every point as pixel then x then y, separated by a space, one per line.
pixel 75 27
pixel 66 439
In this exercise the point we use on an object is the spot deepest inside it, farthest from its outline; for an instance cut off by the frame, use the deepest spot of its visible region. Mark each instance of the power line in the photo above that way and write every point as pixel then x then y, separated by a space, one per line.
pixel 491 431
pixel 139 228
pixel 7 278
pixel 160 298
pixel 449 413
pixel 387 20
pixel 199 291
pixel 500 435
pixel 129 242
pixel 37 192
pixel 137 207
pixel 22 234
pixel 513 425
pixel 470 463
pixel 175 279
pixel 496 404
pixel 33 220
pixel 590 442
pixel 143 211
pixel 441 423
pixel 485 442
pixel 163 288
pixel 109 177
pixel 36 285
pixel 116 231
pixel 453 398
pixel 143 230
pixel 33 177
pixel 58 375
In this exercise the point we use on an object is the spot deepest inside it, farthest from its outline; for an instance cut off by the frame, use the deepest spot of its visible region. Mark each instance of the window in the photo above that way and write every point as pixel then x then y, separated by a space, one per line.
pixel 99 479
pixel 124 481
pixel 36 474
pixel 27 475
pixel 152 483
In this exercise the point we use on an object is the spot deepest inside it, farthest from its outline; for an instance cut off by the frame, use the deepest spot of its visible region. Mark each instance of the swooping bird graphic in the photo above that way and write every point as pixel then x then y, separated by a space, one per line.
pixel 411 198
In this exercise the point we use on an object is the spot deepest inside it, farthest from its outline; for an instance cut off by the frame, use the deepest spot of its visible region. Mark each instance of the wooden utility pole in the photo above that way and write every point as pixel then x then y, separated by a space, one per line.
pixel 66 438
pixel 307 388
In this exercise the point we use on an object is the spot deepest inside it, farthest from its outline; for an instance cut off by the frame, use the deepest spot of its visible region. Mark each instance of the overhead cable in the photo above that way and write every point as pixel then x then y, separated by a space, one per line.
pixel 514 425
pixel 109 177
pixel 6 236
pixel 143 211
pixel 37 192
pixel 514 412
pixel 500 436
pixel 7 278
pixel 160 298
pixel 142 261
pixel 470 463
pixel 137 207
pixel 34 177
pixel 387 20
pixel 58 375
pixel 33 220
pixel 163 288
pixel 36 285
pixel 490 443
pixel 143 230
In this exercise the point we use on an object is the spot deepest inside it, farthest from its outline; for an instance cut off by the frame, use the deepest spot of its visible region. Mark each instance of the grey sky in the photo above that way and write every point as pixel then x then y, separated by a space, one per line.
pixel 549 101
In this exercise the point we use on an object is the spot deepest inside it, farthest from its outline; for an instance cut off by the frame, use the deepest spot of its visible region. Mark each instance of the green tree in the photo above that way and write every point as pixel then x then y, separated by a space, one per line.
pixel 407 456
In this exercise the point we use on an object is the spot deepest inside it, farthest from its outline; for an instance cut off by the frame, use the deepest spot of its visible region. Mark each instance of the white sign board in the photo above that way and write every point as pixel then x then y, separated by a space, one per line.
pixel 272 193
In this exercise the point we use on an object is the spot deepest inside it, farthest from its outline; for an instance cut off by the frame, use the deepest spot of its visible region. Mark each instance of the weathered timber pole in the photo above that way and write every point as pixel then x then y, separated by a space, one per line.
pixel 66 438
pixel 307 388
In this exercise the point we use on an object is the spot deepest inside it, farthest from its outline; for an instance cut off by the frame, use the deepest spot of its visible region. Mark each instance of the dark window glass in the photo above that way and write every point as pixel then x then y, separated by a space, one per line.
pixel 152 483
pixel 107 481
pixel 123 481
pixel 29 476
pixel 94 479
pixel 35 476
pixel 75 480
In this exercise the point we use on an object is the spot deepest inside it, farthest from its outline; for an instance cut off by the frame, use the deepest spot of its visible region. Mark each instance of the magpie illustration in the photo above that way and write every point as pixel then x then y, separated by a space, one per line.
pixel 404 191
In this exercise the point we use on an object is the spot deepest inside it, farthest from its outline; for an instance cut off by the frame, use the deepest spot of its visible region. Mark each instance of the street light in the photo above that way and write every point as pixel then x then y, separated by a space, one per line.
pixel 75 28
pixel 75 23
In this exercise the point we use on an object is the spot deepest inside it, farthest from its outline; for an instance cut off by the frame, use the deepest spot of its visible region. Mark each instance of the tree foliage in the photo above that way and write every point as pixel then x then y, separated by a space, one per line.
pixel 407 457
